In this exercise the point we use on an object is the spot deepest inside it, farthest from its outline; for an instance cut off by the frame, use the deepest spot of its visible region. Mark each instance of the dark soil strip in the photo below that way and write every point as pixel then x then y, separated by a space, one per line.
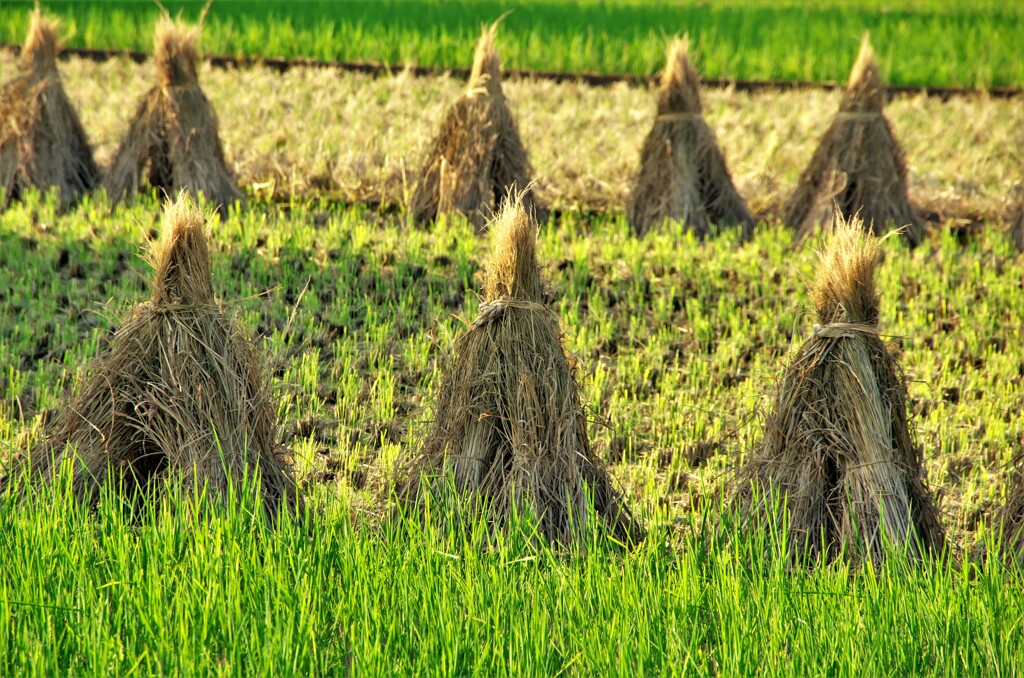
pixel 965 225
pixel 592 79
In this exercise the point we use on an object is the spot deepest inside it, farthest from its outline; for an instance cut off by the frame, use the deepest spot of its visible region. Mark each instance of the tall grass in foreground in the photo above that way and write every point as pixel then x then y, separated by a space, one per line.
pixel 926 42
pixel 337 589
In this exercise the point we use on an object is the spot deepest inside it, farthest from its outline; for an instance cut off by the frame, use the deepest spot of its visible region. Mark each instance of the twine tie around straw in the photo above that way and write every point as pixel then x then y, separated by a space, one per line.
pixel 481 90
pixel 491 310
pixel 678 117
pixel 852 116
pixel 844 330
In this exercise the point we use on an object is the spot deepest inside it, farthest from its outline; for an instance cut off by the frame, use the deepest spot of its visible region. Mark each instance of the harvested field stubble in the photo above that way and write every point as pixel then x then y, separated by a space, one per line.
pixel 362 138
pixel 680 342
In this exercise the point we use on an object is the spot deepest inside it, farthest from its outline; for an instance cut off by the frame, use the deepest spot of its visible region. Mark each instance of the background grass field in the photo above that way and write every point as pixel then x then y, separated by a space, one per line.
pixel 923 42
pixel 680 343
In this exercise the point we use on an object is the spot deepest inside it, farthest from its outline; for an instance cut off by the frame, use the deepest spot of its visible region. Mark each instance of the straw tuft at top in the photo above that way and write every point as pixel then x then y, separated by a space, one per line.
pixel 513 269
pixel 865 91
pixel 182 266
pixel 486 72
pixel 845 287
pixel 42 43
pixel 175 52
pixel 680 83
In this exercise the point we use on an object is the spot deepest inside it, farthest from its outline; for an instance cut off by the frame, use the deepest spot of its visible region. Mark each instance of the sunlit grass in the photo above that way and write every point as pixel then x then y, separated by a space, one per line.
pixel 337 590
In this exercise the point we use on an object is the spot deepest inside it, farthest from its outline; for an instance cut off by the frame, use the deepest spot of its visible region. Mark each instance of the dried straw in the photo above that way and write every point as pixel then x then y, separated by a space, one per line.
pixel 42 142
pixel 1011 516
pixel 510 434
pixel 1017 224
pixel 858 168
pixel 477 157
pixel 173 142
pixel 181 392
pixel 838 459
pixel 683 174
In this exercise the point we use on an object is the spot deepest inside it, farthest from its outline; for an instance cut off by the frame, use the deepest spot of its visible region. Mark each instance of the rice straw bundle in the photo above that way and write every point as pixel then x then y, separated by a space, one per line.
pixel 477 156
pixel 181 391
pixel 838 459
pixel 42 142
pixel 858 168
pixel 173 141
pixel 510 433
pixel 683 174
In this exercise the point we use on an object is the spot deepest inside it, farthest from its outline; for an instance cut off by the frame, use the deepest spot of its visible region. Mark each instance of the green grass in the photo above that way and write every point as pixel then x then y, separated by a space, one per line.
pixel 680 342
pixel 93 594
pixel 927 42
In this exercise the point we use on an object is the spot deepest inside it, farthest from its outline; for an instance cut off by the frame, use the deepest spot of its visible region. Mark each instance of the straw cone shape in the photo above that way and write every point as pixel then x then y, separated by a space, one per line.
pixel 683 174
pixel 173 141
pixel 42 142
pixel 477 156
pixel 180 392
pixel 1012 514
pixel 858 168
pixel 1017 224
pixel 838 460
pixel 510 433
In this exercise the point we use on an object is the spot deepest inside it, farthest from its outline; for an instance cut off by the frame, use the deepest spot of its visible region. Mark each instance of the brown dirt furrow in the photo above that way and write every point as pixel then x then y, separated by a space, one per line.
pixel 378 69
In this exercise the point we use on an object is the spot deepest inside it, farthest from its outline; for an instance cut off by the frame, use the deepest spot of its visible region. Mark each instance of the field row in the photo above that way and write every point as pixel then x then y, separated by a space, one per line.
pixel 319 133
pixel 971 44
pixel 680 343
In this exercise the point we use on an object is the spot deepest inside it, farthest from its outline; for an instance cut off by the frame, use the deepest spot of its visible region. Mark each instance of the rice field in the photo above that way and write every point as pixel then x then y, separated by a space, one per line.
pixel 924 42
pixel 355 312
pixel 680 344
